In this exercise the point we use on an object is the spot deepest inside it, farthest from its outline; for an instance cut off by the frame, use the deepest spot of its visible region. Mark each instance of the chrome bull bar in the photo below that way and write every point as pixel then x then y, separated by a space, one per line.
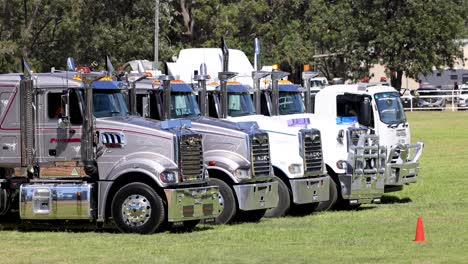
pixel 365 177
pixel 405 168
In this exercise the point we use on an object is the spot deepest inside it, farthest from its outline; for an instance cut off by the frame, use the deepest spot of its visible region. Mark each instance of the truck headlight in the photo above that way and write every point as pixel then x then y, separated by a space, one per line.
pixel 295 168
pixel 341 164
pixel 169 176
pixel 242 173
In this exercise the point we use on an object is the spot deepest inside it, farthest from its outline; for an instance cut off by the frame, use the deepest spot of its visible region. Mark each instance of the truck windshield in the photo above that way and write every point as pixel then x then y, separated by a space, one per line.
pixel 184 105
pixel 390 107
pixel 240 104
pixel 290 103
pixel 109 103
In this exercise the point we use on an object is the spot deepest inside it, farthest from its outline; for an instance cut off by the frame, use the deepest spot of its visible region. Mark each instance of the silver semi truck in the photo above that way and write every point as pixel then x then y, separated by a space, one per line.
pixel 70 150
pixel 237 155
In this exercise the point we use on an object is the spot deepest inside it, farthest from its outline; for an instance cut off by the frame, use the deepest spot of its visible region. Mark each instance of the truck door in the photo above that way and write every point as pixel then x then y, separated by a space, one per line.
pixel 57 143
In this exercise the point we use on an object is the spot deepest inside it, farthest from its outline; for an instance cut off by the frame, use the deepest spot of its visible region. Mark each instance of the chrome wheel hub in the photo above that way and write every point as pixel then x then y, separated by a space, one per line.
pixel 221 202
pixel 136 210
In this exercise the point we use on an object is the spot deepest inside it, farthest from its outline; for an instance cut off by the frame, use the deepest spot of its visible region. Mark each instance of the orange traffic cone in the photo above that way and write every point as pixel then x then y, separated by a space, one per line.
pixel 419 237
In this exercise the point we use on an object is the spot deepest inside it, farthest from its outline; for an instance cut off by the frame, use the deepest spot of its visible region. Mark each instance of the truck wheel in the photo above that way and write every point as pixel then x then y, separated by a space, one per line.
pixel 227 202
pixel 328 205
pixel 137 208
pixel 251 216
pixel 284 202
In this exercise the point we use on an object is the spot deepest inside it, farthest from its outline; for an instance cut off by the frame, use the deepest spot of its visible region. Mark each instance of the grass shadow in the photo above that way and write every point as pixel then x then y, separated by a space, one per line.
pixel 390 199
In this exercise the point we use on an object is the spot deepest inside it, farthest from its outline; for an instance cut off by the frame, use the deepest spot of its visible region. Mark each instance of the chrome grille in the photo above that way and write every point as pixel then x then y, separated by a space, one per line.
pixel 261 163
pixel 191 157
pixel 312 151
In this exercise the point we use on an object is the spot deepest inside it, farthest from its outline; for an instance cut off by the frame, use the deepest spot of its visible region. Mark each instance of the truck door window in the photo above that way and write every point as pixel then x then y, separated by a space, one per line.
pixel 184 105
pixel 109 103
pixel 390 108
pixel 349 105
pixel 264 104
pixel 290 103
pixel 75 108
pixel 54 107
pixel 240 104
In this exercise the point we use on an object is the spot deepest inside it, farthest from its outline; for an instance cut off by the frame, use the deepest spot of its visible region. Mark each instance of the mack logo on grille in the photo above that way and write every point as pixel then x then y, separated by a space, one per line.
pixel 314 155
pixel 261 158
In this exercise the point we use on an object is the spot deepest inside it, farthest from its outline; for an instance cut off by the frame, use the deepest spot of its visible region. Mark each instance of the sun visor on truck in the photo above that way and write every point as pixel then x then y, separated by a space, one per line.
pixel 235 88
pixel 108 85
pixel 168 124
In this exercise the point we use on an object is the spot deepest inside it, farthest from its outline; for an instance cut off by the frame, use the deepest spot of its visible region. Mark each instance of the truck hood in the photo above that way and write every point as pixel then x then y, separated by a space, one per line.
pixel 135 124
pixel 236 128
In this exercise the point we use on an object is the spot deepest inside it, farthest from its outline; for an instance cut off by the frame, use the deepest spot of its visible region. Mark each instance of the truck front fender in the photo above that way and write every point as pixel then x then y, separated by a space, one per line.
pixel 147 163
pixel 225 161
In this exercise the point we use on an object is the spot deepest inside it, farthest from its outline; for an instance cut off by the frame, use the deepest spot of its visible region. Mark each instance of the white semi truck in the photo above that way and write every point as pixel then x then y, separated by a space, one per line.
pixel 70 150
pixel 384 114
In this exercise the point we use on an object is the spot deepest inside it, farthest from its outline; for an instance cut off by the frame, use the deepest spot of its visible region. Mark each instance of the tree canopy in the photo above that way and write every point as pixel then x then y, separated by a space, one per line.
pixel 340 38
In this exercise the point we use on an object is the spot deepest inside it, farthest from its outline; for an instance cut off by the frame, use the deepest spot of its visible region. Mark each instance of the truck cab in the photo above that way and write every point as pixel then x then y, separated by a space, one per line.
pixel 71 150
pixel 237 155
pixel 354 159
pixel 386 119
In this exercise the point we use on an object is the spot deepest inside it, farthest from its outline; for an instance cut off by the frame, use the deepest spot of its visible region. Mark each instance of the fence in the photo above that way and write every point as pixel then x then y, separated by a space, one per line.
pixel 437 100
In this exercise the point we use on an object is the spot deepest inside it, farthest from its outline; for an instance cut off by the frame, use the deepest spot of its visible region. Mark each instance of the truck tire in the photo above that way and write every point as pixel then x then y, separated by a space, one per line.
pixel 284 202
pixel 137 208
pixel 251 216
pixel 330 204
pixel 227 202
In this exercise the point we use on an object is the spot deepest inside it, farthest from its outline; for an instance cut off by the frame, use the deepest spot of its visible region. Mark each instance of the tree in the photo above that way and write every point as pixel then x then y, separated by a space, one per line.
pixel 408 37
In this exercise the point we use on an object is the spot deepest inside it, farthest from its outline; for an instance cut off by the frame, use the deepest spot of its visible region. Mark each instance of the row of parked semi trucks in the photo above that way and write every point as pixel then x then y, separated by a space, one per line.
pixel 149 153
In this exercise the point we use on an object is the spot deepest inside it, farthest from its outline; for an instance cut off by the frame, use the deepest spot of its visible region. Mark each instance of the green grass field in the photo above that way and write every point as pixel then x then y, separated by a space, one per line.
pixel 373 234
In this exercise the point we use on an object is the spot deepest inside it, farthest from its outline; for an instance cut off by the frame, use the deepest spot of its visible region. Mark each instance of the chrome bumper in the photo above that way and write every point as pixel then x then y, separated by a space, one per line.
pixel 310 190
pixel 192 203
pixel 257 196
pixel 362 189
pixel 364 181
pixel 405 169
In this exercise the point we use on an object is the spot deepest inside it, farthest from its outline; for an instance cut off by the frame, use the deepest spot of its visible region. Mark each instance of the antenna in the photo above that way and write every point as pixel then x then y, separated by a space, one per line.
pixel 71 64
pixel 109 66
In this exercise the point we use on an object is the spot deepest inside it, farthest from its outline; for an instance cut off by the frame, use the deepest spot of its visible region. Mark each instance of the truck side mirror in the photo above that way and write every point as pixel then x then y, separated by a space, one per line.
pixel 366 112
pixel 64 118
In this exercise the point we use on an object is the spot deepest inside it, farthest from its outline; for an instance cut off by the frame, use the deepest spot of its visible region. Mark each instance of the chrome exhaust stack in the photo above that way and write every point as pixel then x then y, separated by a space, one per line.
pixel 28 120
pixel 307 75
pixel 201 79
pixel 87 138
pixel 276 75
pixel 132 79
pixel 257 74
pixel 223 77
pixel 166 84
